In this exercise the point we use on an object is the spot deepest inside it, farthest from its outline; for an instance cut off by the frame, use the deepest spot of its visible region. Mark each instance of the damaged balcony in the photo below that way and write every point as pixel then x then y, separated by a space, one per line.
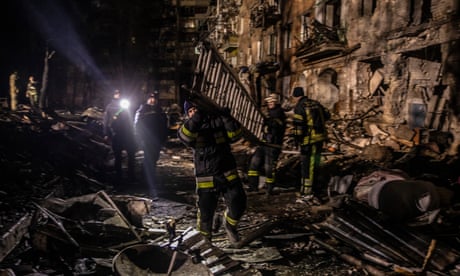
pixel 230 44
pixel 263 16
pixel 324 42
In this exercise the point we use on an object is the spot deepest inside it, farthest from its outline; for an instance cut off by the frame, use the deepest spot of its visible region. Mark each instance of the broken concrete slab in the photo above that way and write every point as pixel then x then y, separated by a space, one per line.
pixel 13 236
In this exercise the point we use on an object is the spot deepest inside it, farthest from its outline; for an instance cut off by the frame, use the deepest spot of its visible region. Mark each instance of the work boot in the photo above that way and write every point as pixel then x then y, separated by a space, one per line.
pixel 306 191
pixel 217 223
pixel 132 177
pixel 253 188
pixel 118 185
pixel 205 229
pixel 232 233
pixel 253 185
pixel 270 190
pixel 153 194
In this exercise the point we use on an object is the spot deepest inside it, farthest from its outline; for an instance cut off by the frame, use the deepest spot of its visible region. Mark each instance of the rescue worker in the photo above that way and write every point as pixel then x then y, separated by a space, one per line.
pixel 118 130
pixel 266 156
pixel 310 133
pixel 150 124
pixel 13 91
pixel 32 93
pixel 210 137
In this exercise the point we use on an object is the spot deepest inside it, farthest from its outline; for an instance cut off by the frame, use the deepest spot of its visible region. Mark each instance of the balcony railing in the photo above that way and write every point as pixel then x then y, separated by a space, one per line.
pixel 323 42
pixel 263 16
pixel 230 43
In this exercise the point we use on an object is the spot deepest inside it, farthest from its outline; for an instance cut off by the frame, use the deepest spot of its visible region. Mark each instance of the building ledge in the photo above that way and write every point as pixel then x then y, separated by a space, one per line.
pixel 320 51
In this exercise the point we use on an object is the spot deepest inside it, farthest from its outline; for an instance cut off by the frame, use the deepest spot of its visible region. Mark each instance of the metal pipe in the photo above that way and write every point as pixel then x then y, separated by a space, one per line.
pixel 350 259
pixel 359 231
pixel 346 236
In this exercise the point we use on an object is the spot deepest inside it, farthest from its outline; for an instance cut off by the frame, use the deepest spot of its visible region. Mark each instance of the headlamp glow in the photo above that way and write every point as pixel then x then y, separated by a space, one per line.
pixel 124 103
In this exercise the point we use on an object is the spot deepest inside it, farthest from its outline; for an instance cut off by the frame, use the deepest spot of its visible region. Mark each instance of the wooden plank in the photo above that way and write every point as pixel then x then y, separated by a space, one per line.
pixel 221 85
pixel 14 235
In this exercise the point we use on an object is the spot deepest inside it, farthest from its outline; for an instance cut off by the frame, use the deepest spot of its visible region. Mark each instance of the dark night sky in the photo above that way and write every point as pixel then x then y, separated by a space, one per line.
pixel 17 50
pixel 29 25
pixel 15 37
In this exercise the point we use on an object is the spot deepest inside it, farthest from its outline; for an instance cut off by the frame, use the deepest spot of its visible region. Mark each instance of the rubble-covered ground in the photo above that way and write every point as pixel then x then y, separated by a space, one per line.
pixel 59 214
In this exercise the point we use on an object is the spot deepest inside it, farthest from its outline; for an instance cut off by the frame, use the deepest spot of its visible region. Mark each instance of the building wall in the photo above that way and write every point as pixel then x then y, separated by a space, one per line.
pixel 397 57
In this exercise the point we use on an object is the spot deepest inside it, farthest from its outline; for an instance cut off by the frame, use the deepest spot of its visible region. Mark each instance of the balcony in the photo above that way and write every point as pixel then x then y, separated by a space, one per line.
pixel 323 42
pixel 230 44
pixel 265 67
pixel 190 3
pixel 263 16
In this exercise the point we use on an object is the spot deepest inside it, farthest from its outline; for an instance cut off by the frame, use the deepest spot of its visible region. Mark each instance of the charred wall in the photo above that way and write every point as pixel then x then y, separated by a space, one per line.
pixel 398 56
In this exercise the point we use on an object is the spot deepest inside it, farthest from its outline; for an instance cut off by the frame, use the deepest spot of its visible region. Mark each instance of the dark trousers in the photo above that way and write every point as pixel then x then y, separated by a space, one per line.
pixel 263 158
pixel 310 157
pixel 120 143
pixel 151 156
pixel 234 199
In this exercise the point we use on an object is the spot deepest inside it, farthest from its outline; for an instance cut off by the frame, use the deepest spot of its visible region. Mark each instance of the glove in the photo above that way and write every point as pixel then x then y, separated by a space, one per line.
pixel 195 122
pixel 197 117
pixel 230 122
pixel 225 111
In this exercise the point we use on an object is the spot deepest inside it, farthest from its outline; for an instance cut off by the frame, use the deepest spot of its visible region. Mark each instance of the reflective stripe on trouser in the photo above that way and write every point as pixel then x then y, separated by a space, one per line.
pixel 207 204
pixel 204 228
pixel 253 178
pixel 232 176
pixel 270 180
pixel 306 187
pixel 253 173
pixel 254 170
pixel 204 182
pixel 311 156
pixel 209 190
pixel 266 158
pixel 231 221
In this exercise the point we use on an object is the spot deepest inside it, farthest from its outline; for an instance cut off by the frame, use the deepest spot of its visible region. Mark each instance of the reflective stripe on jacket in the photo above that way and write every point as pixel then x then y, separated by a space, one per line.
pixel 310 121
pixel 211 144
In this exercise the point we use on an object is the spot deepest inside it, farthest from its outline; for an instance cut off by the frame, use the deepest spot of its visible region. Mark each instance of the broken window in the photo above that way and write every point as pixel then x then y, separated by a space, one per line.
pixel 306 27
pixel 189 24
pixel 259 50
pixel 377 87
pixel 367 7
pixel 272 2
pixel 329 75
pixel 328 12
pixel 272 46
pixel 417 107
pixel 420 11
pixel 287 36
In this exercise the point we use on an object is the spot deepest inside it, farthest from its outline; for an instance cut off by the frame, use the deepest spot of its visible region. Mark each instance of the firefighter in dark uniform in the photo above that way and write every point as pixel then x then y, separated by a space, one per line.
pixel 266 156
pixel 310 133
pixel 210 137
pixel 32 92
pixel 150 124
pixel 118 129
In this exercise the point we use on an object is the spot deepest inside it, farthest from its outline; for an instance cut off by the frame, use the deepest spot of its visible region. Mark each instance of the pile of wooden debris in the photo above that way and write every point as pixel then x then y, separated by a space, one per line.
pixel 59 214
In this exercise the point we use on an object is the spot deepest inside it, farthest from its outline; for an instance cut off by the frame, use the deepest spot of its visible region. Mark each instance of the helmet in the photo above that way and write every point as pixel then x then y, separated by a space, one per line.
pixel 187 106
pixel 155 94
pixel 298 92
pixel 116 94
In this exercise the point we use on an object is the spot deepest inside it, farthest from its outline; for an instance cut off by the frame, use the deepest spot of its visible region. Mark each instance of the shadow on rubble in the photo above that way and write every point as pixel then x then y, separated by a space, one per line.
pixel 380 212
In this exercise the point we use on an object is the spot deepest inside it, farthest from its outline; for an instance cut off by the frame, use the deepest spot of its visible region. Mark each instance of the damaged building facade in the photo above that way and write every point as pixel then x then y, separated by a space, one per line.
pixel 398 58
pixel 398 73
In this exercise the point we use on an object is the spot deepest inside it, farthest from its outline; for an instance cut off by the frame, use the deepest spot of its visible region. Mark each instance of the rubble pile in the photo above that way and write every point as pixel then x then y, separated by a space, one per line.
pixel 60 215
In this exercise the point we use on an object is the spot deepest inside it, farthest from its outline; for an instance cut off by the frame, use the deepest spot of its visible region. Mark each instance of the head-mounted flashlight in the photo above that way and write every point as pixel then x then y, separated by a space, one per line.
pixel 124 103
